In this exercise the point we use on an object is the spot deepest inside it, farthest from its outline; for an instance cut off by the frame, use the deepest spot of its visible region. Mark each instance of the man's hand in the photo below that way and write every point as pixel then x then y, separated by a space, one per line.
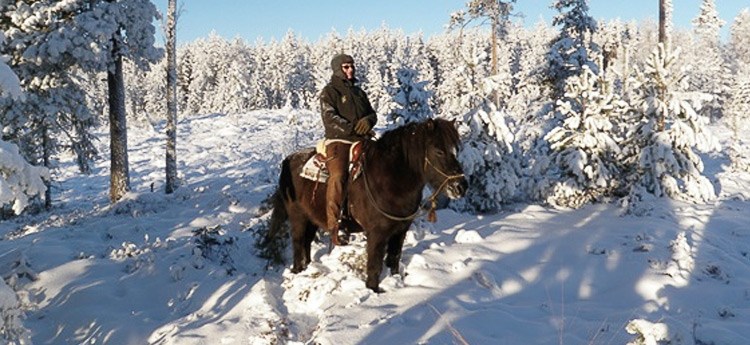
pixel 363 126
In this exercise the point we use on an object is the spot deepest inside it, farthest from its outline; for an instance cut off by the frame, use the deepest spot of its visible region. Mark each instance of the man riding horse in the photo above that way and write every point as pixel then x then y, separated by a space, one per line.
pixel 348 117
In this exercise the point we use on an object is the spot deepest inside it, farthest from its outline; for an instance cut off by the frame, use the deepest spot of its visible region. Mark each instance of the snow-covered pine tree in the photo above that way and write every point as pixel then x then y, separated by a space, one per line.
pixel 665 130
pixel 497 13
pixel 299 84
pixel 573 47
pixel 708 23
pixel 138 91
pixel 184 77
pixel 378 63
pixel 709 73
pixel 411 98
pixel 528 48
pixel 129 34
pixel 203 72
pixel 218 57
pixel 233 81
pixel 52 44
pixel 737 116
pixel 464 63
pixel 273 76
pixel 739 42
pixel 585 147
pixel 154 91
pixel 46 67
pixel 568 53
pixel 428 65
pixel 322 52
pixel 490 163
pixel 259 93
pixel 19 180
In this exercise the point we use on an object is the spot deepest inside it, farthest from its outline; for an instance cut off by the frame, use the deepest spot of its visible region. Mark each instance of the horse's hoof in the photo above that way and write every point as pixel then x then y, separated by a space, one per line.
pixel 296 270
pixel 376 289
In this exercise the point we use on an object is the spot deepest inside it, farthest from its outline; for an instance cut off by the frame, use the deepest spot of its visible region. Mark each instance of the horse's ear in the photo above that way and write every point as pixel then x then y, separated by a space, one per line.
pixel 430 124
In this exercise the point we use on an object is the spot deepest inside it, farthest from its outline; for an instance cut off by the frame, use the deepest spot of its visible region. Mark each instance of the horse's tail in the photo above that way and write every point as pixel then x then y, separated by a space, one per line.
pixel 273 243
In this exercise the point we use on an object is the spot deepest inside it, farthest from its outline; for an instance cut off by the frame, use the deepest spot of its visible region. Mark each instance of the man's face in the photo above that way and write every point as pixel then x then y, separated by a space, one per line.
pixel 348 69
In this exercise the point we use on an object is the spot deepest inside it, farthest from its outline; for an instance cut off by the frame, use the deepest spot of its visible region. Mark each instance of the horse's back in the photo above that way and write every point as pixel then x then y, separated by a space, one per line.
pixel 290 169
pixel 302 197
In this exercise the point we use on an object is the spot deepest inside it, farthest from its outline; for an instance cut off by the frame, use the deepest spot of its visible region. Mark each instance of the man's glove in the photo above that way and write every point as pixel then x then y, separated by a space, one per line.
pixel 363 126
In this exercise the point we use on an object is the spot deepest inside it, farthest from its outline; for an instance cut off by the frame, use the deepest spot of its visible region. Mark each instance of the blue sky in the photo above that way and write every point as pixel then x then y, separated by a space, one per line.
pixel 313 19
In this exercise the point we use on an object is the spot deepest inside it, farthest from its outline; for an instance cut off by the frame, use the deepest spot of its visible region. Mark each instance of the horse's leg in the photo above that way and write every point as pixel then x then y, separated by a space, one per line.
pixel 310 231
pixel 300 250
pixel 375 254
pixel 395 245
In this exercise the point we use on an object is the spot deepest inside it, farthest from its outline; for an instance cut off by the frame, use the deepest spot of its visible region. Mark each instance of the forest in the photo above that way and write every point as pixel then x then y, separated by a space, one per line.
pixel 574 113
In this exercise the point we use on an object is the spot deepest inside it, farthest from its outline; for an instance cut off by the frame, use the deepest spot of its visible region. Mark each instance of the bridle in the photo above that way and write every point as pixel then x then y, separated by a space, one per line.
pixel 432 199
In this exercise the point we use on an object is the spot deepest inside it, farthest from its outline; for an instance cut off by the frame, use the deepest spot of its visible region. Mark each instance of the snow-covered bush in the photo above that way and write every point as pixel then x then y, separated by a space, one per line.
pixel 12 330
pixel 212 243
pixel 646 332
pixel 20 181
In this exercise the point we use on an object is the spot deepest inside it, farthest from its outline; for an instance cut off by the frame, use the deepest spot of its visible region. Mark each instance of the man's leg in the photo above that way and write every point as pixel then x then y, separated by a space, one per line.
pixel 337 155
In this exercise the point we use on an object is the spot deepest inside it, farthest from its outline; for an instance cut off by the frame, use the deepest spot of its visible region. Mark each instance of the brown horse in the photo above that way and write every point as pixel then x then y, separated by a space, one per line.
pixel 383 200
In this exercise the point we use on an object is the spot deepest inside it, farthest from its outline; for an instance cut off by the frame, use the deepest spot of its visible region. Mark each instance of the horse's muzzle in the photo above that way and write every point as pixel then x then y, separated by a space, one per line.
pixel 457 188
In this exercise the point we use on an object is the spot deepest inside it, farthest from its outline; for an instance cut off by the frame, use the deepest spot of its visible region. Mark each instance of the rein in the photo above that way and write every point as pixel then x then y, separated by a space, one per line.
pixel 432 199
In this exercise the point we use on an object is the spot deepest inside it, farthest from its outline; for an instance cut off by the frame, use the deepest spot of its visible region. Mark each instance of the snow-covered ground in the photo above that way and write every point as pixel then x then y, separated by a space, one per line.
pixel 181 269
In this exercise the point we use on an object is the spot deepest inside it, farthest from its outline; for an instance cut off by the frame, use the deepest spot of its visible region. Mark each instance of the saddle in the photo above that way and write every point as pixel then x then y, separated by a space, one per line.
pixel 315 167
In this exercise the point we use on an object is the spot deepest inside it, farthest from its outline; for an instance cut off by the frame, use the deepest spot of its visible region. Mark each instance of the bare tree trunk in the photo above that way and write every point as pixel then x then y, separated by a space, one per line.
pixel 664 27
pixel 495 27
pixel 46 153
pixel 119 178
pixel 665 21
pixel 171 166
pixel 662 21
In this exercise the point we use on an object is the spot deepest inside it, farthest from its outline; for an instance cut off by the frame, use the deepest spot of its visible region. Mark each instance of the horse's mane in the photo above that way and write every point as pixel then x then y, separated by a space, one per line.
pixel 410 140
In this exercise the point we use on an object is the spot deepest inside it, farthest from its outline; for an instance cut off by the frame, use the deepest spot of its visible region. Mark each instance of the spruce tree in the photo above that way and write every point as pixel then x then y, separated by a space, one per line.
pixel 19 180
pixel 737 117
pixel 663 135
pixel 491 164
pixel 586 146
pixel 709 74
pixel 411 98
pixel 53 52
pixel 739 41
pixel 573 48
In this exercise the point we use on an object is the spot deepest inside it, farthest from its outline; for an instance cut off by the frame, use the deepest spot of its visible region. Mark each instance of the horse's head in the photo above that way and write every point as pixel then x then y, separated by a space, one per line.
pixel 441 167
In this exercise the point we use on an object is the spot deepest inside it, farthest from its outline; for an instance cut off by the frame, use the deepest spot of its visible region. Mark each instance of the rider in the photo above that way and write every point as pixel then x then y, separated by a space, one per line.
pixel 347 117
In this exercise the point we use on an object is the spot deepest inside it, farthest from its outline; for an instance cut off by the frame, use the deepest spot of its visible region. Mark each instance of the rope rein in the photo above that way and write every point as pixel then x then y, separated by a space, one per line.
pixel 432 199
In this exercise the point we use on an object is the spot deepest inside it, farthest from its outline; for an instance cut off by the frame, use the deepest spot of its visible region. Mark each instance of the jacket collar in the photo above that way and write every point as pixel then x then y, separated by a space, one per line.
pixel 343 81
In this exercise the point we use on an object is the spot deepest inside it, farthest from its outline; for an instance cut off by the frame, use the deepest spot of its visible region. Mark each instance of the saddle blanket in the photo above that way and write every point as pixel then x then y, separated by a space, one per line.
pixel 315 167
